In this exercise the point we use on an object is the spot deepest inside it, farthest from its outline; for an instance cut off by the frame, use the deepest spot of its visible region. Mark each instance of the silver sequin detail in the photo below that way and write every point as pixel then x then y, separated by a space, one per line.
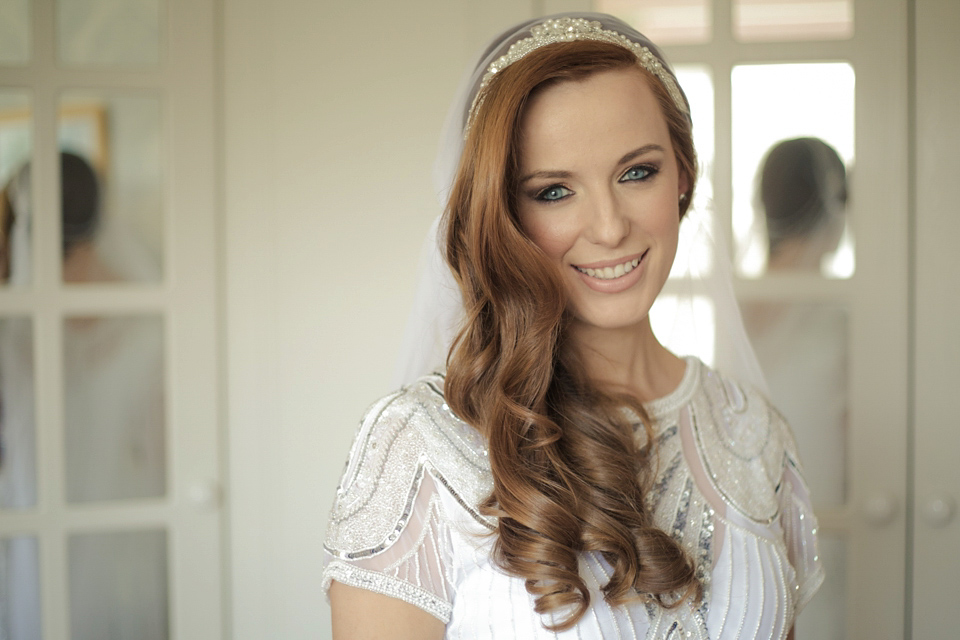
pixel 388 586
pixel 741 444
pixel 400 439
pixel 413 433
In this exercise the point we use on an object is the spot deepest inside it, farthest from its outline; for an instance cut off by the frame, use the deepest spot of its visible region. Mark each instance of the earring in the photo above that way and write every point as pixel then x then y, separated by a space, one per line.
pixel 683 197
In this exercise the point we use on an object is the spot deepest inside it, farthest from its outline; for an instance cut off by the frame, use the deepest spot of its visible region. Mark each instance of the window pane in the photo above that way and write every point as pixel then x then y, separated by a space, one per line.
pixel 795 218
pixel 686 325
pixel 803 351
pixel 114 408
pixel 19 589
pixel 16 152
pixel 112 222
pixel 18 431
pixel 119 33
pixel 15 32
pixel 118 585
pixel 776 20
pixel 663 21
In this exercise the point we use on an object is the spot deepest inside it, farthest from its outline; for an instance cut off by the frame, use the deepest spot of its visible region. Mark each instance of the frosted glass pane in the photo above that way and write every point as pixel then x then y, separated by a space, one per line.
pixel 663 21
pixel 803 350
pixel 18 431
pixel 114 408
pixel 16 151
pixel 111 178
pixel 825 617
pixel 118 586
pixel 801 223
pixel 19 589
pixel 777 20
pixel 117 33
pixel 15 32
pixel 686 326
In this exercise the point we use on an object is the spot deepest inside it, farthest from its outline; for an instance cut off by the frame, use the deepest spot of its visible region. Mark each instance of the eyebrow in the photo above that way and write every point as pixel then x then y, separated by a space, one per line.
pixel 636 153
pixel 562 175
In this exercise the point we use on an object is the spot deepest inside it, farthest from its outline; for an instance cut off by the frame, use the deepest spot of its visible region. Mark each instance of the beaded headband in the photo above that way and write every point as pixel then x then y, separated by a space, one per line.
pixel 568 30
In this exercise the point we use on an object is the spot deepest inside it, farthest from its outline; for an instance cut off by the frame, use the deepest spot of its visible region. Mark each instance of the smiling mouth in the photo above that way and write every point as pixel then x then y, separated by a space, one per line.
pixel 612 273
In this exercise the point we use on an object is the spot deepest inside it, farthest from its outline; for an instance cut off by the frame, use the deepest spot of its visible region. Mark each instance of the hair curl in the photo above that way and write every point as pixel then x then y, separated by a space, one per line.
pixel 569 475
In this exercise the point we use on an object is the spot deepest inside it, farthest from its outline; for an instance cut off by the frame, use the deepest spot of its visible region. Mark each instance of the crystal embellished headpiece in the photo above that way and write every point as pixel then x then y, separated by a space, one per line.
pixel 568 29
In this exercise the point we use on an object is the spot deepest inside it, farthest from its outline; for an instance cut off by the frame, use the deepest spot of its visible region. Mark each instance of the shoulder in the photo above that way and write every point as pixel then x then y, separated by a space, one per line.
pixel 744 443
pixel 402 437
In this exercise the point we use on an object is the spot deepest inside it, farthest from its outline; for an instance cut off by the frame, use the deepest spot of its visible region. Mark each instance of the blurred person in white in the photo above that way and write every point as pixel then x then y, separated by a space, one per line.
pixel 113 402
pixel 567 476
pixel 802 194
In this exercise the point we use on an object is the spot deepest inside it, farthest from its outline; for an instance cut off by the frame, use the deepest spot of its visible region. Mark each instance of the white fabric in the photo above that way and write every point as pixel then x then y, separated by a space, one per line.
pixel 758 571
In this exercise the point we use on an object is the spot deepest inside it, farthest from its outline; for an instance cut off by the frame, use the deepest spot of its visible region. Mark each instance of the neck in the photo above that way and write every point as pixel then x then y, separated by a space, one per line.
pixel 802 254
pixel 82 264
pixel 630 359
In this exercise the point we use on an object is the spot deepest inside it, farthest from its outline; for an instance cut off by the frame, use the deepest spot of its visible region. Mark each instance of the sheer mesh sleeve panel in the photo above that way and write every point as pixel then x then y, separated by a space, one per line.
pixel 800 534
pixel 414 567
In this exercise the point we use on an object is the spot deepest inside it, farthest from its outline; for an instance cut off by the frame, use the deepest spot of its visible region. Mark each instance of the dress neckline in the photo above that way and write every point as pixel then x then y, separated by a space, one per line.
pixel 673 401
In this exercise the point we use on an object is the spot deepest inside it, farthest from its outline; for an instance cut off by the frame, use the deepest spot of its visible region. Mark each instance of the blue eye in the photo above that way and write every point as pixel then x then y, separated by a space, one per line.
pixel 637 173
pixel 554 193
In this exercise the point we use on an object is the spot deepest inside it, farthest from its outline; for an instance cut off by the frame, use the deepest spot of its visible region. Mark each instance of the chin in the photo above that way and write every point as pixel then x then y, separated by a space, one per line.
pixel 612 321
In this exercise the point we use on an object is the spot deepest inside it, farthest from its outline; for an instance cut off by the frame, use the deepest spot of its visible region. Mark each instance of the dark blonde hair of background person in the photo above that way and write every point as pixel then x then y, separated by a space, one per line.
pixel 568 474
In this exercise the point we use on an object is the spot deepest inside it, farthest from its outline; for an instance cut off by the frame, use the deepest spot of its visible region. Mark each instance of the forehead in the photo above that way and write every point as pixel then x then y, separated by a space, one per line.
pixel 577 121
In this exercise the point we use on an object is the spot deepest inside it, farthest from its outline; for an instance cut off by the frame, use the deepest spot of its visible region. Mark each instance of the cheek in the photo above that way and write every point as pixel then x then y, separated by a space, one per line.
pixel 666 224
pixel 552 234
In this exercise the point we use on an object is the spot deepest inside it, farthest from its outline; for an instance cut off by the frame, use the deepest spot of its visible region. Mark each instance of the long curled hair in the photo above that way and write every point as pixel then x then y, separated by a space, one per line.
pixel 569 475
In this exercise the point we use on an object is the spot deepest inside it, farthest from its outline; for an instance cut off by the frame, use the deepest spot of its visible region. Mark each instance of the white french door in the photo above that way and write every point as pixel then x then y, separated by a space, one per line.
pixel 110 473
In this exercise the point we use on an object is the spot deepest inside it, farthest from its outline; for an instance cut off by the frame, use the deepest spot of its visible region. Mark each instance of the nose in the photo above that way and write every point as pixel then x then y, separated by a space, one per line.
pixel 608 223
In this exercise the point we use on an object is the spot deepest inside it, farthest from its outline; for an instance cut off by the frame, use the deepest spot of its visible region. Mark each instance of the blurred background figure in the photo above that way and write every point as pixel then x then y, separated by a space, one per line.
pixel 802 347
pixel 802 193
pixel 80 221
pixel 113 419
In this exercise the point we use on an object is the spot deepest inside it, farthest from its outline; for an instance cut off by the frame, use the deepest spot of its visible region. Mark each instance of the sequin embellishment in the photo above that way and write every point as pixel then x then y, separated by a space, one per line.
pixel 741 443
pixel 411 440
pixel 402 437
pixel 568 30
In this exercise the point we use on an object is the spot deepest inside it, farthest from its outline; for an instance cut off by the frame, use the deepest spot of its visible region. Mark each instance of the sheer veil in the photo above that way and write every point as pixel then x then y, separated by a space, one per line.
pixel 437 306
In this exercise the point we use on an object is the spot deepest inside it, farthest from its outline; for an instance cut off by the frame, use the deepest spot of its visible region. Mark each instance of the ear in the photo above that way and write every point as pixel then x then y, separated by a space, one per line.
pixel 683 184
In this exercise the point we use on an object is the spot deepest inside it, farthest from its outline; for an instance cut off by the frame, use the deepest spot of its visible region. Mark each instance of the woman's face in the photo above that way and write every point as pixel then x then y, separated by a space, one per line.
pixel 599 193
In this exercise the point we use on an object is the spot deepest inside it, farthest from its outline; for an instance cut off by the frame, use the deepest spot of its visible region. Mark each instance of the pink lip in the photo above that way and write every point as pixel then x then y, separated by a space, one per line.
pixel 616 285
pixel 610 263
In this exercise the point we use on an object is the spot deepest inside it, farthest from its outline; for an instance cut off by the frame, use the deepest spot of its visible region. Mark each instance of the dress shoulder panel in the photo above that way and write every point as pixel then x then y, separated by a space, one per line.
pixel 744 444
pixel 401 437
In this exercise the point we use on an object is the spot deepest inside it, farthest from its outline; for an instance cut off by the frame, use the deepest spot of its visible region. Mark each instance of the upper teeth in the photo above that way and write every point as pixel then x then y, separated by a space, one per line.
pixel 609 273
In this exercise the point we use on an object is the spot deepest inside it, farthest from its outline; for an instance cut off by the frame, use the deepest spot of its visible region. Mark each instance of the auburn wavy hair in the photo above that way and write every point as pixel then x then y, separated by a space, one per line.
pixel 568 473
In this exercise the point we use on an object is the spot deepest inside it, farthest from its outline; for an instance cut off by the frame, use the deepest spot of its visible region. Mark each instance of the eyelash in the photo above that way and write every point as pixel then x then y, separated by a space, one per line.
pixel 649 172
pixel 540 196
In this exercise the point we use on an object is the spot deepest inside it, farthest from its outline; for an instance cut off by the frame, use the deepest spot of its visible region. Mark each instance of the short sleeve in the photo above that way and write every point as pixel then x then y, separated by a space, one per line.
pixel 387 531
pixel 800 534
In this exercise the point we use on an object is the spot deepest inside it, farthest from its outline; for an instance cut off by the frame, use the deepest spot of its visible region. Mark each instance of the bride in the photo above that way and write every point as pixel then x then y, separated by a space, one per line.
pixel 567 475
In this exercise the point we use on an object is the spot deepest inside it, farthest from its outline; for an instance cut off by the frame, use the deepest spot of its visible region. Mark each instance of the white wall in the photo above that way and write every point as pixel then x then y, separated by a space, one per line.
pixel 332 114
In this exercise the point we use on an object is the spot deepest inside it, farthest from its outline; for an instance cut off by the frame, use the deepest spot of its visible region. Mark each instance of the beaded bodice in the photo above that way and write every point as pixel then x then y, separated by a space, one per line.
pixel 405 521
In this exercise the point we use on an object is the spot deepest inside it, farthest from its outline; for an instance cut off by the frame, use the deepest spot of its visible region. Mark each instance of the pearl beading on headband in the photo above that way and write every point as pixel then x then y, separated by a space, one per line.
pixel 568 30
